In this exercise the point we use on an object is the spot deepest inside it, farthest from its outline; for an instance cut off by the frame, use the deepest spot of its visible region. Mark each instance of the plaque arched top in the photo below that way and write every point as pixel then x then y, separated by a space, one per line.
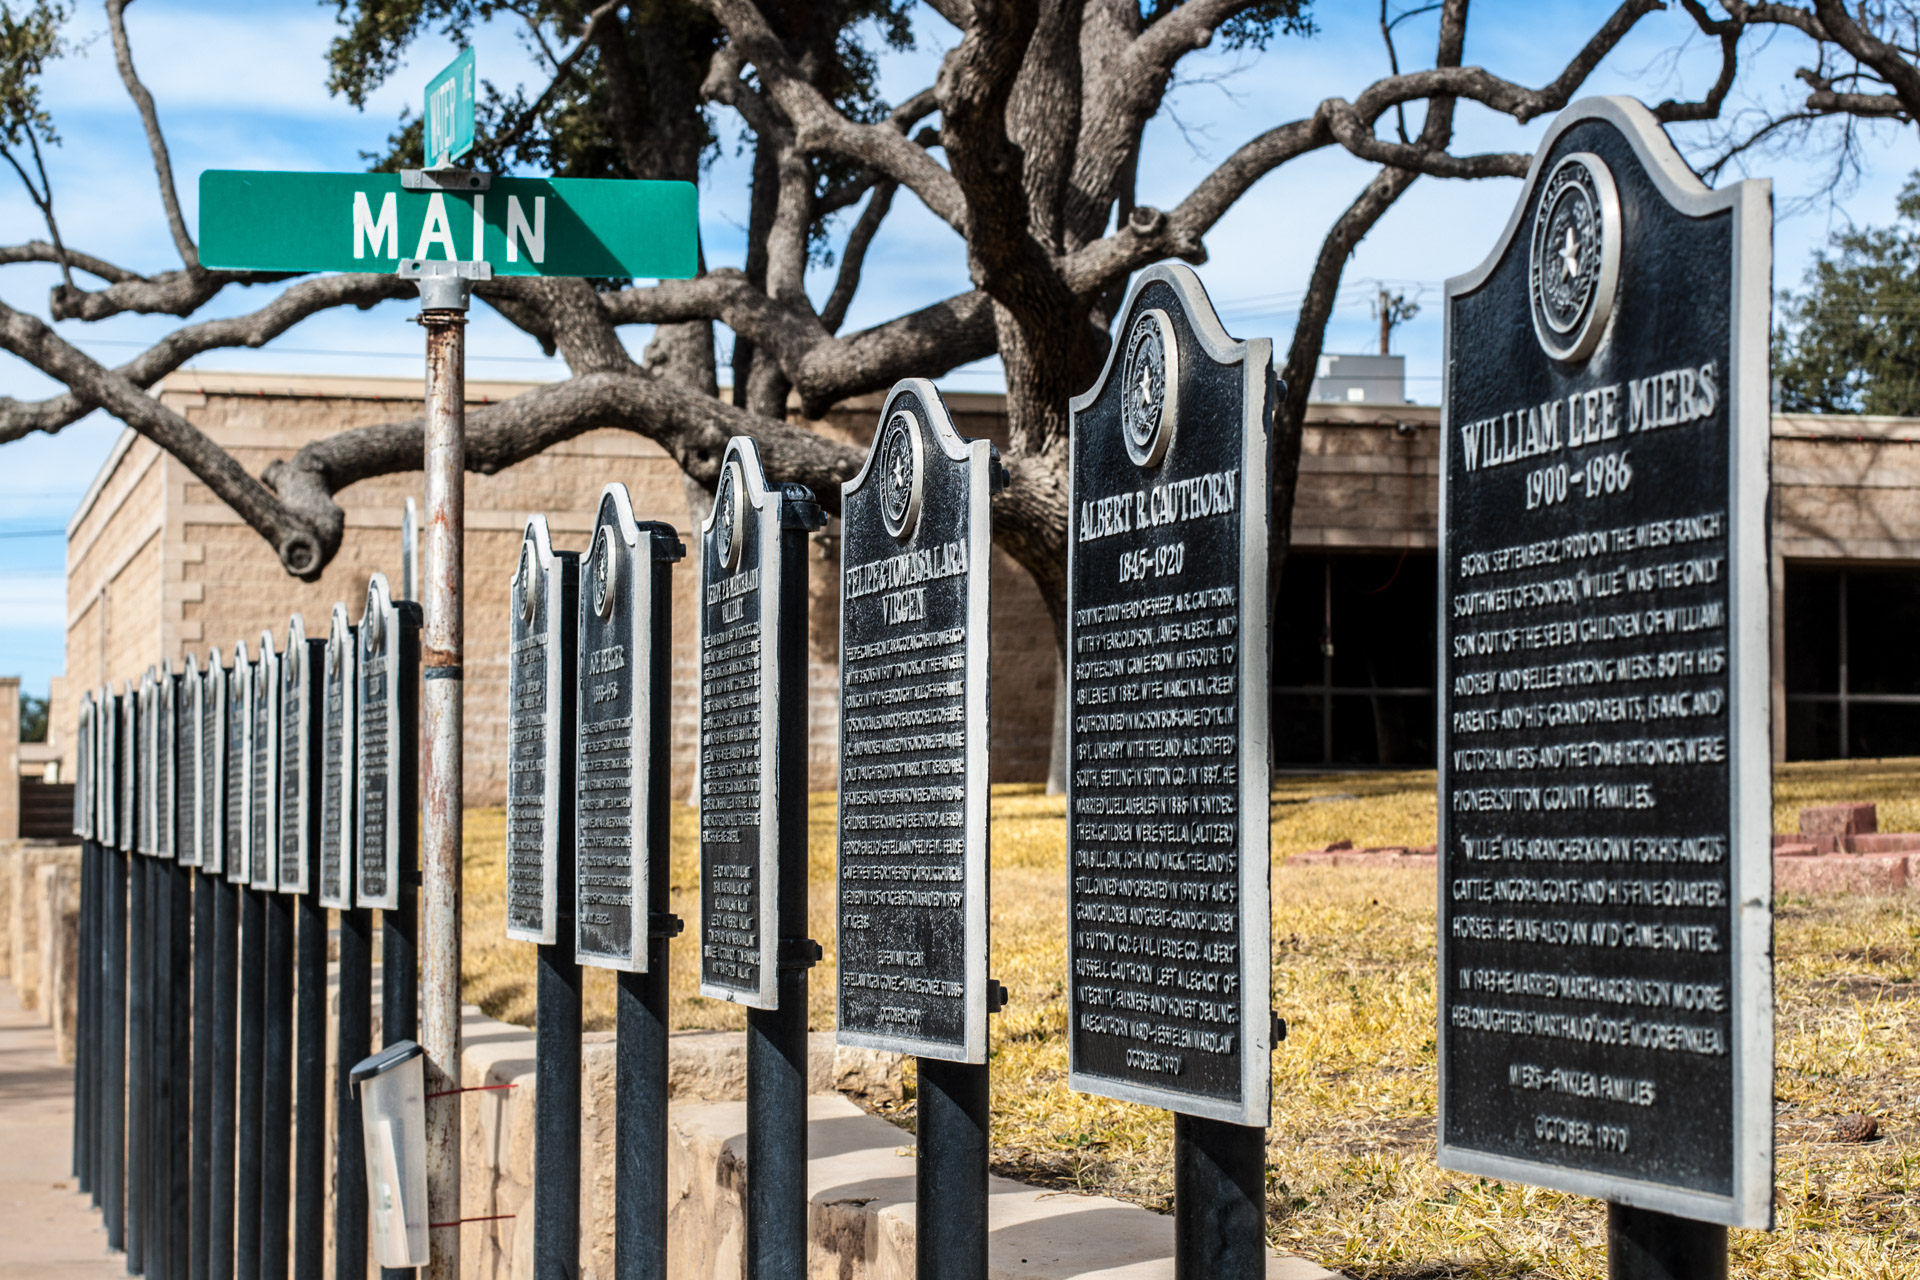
pixel 295 652
pixel 918 402
pixel 536 563
pixel 339 637
pixel 615 547
pixel 377 613
pixel 1196 309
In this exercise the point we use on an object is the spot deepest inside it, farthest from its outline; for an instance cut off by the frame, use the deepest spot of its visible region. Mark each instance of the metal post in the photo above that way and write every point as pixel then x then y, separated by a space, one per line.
pixel 177 1045
pixel 353 1030
pixel 777 1038
pixel 399 967
pixel 223 1119
pixel 556 1182
pixel 1645 1245
pixel 1219 1200
pixel 159 1250
pixel 640 1029
pixel 113 1048
pixel 310 1091
pixel 950 1189
pixel 83 1054
pixel 276 1101
pixel 556 1151
pixel 202 1141
pixel 443 306
pixel 253 1039
pixel 139 1043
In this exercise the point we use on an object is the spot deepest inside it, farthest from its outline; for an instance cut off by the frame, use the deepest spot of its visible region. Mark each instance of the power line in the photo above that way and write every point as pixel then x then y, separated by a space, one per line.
pixel 33 533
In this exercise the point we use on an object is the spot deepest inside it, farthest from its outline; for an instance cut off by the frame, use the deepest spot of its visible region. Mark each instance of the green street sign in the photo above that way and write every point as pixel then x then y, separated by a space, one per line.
pixel 263 220
pixel 449 112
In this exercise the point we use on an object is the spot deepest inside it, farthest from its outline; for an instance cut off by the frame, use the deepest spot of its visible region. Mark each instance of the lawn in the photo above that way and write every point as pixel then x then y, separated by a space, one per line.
pixel 1351 1177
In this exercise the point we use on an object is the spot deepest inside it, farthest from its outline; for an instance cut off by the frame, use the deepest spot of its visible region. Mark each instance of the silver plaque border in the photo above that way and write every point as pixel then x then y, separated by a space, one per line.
pixel 166 761
pixel 614 514
pixel 385 618
pixel 294 670
pixel 342 649
pixel 751 490
pixel 1255 358
pixel 538 539
pixel 213 807
pixel 978 906
pixel 83 767
pixel 240 686
pixel 266 877
pixel 1750 716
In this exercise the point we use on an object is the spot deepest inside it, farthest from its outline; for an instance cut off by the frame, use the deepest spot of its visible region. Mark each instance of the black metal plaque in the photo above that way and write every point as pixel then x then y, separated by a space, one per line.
pixel 1167 830
pixel 915 570
pixel 263 767
pixel 623 607
pixel 335 863
pixel 148 721
pixel 83 772
pixel 186 756
pixel 213 765
pixel 386 727
pixel 1605 886
pixel 165 774
pixel 239 744
pixel 543 601
pixel 126 823
pixel 301 667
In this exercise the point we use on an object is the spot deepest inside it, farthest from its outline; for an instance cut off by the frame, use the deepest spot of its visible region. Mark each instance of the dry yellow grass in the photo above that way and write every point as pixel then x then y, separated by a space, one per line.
pixel 1351 1175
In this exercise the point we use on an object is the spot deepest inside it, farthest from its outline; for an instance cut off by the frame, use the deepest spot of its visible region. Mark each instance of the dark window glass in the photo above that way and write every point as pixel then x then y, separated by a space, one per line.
pixel 1813 730
pixel 1298 619
pixel 1813 631
pixel 1297 729
pixel 1883 617
pixel 1382 729
pixel 1876 729
pixel 1383 622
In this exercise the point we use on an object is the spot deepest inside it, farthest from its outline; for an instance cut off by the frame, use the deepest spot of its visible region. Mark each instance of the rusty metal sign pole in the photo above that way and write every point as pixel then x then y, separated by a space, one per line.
pixel 445 290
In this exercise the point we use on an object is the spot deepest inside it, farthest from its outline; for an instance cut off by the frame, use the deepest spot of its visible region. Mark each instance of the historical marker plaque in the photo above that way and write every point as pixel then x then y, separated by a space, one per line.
pixel 386 702
pixel 263 768
pixel 915 567
pixel 239 740
pixel 335 863
pixel 622 614
pixel 543 626
pixel 145 748
pixel 165 759
pixel 300 671
pixel 213 765
pixel 186 777
pixel 1605 876
pixel 83 774
pixel 1167 828
pixel 126 749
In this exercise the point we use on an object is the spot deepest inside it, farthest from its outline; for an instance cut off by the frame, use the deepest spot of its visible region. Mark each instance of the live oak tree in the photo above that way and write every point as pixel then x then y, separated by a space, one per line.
pixel 1026 146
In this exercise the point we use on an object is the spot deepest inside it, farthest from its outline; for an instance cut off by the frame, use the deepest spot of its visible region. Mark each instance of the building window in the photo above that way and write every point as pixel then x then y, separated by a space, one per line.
pixel 1853 690
pixel 1354 660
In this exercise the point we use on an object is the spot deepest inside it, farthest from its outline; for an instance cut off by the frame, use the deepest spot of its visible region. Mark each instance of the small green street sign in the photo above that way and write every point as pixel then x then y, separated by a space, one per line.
pixel 264 220
pixel 449 112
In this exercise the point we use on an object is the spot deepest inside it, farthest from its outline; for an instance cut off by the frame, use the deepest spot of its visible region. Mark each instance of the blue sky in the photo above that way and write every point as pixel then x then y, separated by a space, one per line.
pixel 242 85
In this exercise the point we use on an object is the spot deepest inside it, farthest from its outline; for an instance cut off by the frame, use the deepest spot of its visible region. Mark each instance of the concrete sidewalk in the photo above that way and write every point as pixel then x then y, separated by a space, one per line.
pixel 47 1228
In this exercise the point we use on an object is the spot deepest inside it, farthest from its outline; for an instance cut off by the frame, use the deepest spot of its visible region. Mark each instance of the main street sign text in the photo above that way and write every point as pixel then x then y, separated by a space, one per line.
pixel 261 220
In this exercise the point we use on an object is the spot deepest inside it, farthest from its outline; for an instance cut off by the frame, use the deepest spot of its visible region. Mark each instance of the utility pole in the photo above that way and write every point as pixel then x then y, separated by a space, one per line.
pixel 446 290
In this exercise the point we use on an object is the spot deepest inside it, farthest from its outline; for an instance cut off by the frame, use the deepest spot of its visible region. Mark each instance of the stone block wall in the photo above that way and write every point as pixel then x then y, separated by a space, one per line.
pixel 20 864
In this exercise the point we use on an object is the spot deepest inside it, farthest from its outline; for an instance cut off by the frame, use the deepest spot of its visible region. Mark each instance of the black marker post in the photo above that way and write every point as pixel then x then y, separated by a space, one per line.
pixel 542 687
pixel 276 1060
pixel 754 947
pixel 387 800
pixel 176 1039
pixel 1167 522
pixel 190 762
pixel 1604 510
pixel 216 953
pixel 621 921
pixel 86 1056
pixel 915 589
pixel 334 865
pixel 233 1135
pixel 302 666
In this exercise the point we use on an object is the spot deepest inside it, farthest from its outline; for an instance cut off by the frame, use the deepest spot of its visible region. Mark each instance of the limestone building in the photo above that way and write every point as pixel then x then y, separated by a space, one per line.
pixel 157 568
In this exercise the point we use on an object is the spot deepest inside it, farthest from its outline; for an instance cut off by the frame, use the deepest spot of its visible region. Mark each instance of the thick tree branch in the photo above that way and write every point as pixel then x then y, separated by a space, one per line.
pixel 853 256
pixel 303 547
pixel 156 141
pixel 41 251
